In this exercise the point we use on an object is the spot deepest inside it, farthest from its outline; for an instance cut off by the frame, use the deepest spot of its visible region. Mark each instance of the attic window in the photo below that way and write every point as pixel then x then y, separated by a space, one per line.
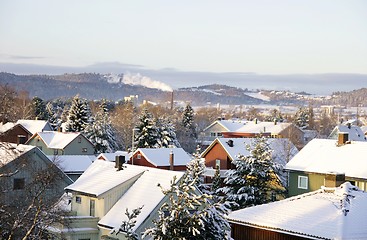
pixel 78 199
pixel 18 183
pixel 302 182
pixel 138 156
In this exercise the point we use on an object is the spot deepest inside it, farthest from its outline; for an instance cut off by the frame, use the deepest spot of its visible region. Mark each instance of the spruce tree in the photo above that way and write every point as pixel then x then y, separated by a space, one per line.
pixel 79 115
pixel 302 118
pixel 195 170
pixel 101 133
pixel 39 109
pixel 147 136
pixel 188 121
pixel 166 133
pixel 255 177
pixel 189 215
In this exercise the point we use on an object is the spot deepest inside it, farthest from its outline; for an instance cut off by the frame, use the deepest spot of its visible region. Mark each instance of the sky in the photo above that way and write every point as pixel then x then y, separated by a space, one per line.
pixel 264 37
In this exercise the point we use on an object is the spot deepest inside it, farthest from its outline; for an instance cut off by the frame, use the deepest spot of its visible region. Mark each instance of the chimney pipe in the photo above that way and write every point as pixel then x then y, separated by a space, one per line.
pixel 334 179
pixel 171 161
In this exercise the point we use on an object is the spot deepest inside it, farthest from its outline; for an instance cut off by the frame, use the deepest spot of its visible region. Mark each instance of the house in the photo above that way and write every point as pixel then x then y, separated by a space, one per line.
pixel 250 129
pixel 21 168
pixel 14 133
pixel 112 156
pixel 164 158
pixel 327 213
pixel 73 165
pixel 101 196
pixel 34 126
pixel 309 169
pixel 222 151
pixel 62 143
pixel 355 133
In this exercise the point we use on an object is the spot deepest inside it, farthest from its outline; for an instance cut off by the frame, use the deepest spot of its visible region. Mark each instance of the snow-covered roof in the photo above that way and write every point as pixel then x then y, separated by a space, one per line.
pixel 34 126
pixel 5 127
pixel 57 140
pixel 364 129
pixel 324 156
pixel 160 156
pixel 111 156
pixel 144 192
pixel 101 176
pixel 355 133
pixel 333 213
pixel 244 126
pixel 260 127
pixel 72 163
pixel 10 151
pixel 283 149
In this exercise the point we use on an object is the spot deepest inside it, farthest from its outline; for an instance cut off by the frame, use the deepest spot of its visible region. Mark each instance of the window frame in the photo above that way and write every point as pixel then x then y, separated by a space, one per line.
pixel 300 177
pixel 78 199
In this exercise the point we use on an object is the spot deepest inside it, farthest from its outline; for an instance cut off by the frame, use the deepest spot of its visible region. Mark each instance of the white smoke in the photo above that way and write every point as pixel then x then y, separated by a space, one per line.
pixel 138 79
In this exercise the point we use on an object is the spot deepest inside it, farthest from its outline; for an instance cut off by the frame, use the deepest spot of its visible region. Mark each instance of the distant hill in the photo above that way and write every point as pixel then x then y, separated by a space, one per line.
pixel 96 86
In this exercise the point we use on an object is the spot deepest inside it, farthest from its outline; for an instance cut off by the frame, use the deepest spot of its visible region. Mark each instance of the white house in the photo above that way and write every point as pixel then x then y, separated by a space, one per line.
pixel 100 197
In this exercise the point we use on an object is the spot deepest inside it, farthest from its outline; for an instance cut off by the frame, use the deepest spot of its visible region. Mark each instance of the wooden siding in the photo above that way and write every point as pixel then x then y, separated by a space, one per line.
pixel 12 134
pixel 242 232
pixel 217 152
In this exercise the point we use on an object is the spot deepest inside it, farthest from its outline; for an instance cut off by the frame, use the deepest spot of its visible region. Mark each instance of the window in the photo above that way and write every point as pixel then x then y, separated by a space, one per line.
pixel 302 182
pixel 213 134
pixel 56 152
pixel 92 208
pixel 84 150
pixel 18 183
pixel 79 139
pixel 78 199
pixel 138 156
pixel 219 134
pixel 217 163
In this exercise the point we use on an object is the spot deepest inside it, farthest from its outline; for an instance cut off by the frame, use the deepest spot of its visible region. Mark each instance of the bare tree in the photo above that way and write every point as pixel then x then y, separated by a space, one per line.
pixel 30 191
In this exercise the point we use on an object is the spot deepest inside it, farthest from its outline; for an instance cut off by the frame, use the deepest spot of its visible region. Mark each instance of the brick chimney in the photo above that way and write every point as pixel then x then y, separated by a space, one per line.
pixel 171 161
pixel 334 179
pixel 119 161
pixel 342 138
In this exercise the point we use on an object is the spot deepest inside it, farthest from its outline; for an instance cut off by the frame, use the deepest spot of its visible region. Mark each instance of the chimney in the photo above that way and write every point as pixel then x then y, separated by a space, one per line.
pixel 119 161
pixel 230 143
pixel 21 139
pixel 255 120
pixel 172 100
pixel 342 138
pixel 171 161
pixel 334 179
pixel 275 121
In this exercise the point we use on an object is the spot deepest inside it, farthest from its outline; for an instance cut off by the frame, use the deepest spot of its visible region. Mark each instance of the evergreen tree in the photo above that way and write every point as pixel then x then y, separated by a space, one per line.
pixel 39 109
pixel 302 118
pixel 79 115
pixel 54 110
pixel 147 136
pixel 128 226
pixel 188 121
pixel 195 170
pixel 254 180
pixel 189 215
pixel 166 133
pixel 275 115
pixel 101 133
pixel 216 184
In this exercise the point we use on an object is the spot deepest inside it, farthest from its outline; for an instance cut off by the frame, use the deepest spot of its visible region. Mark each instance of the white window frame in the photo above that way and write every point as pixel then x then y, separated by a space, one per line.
pixel 217 163
pixel 299 182
pixel 138 156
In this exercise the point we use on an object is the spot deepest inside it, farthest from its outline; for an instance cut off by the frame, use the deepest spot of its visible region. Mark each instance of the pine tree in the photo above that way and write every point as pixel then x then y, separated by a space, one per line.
pixel 147 136
pixel 254 180
pixel 101 133
pixel 54 110
pixel 39 109
pixel 79 115
pixel 189 215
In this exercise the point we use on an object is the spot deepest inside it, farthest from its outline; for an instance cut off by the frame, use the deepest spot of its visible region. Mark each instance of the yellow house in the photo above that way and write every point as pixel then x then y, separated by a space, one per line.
pixel 100 197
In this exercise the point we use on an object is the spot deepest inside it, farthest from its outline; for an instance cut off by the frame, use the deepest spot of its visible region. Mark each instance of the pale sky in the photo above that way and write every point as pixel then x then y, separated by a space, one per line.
pixel 264 37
